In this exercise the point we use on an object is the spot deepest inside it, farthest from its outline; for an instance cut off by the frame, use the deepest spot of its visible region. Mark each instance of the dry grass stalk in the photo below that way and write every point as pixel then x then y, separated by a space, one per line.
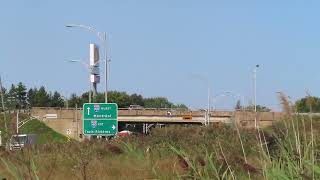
pixel 266 143
pixel 286 108
pixel 260 140
pixel 242 147
pixel 310 102
pixel 225 160
pixel 114 149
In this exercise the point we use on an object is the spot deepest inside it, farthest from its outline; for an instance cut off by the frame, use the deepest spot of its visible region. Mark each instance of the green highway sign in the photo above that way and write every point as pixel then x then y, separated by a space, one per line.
pixel 100 118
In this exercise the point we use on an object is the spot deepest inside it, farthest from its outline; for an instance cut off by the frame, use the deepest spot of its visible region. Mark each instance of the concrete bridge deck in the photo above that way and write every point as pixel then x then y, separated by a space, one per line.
pixel 166 119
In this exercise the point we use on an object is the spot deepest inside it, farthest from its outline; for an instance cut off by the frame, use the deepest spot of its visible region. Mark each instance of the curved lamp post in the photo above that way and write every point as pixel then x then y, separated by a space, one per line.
pixel 102 36
pixel 207 115
pixel 87 66
pixel 255 86
pixel 255 93
pixel 214 99
pixel 229 93
pixel 237 95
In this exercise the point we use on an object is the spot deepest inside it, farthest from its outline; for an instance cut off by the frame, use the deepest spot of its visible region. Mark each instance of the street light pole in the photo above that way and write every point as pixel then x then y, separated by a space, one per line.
pixel 255 86
pixel 103 38
pixel 207 113
pixel 255 92
pixel 66 103
pixel 106 68
pixel 88 69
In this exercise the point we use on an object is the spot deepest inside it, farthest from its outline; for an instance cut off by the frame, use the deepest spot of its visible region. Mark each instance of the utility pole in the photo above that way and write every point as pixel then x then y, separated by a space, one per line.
pixel 255 89
pixel 3 108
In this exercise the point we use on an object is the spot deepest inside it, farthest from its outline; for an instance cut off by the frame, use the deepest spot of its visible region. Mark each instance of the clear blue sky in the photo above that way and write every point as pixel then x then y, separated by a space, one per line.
pixel 159 48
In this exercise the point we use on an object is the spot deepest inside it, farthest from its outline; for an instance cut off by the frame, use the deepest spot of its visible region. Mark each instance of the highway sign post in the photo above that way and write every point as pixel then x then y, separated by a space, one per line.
pixel 100 119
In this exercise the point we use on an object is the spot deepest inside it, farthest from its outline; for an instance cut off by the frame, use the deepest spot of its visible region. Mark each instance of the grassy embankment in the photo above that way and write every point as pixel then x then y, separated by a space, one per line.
pixel 44 133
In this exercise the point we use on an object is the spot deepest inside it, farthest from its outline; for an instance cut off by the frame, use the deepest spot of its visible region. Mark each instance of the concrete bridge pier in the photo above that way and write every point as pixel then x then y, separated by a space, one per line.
pixel 146 128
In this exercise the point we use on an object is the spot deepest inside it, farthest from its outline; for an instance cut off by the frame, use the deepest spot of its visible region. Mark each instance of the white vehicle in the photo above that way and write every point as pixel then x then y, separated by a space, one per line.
pixel 131 107
pixel 19 141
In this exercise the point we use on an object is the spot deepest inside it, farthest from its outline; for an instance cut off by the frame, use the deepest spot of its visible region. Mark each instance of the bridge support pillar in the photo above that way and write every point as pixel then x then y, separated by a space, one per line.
pixel 146 128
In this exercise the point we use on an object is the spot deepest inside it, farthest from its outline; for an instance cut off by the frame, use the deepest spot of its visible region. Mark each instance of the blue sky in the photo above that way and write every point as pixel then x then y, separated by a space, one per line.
pixel 161 48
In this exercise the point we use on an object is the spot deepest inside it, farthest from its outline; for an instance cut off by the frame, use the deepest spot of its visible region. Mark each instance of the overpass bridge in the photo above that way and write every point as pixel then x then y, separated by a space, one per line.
pixel 69 121
pixel 171 119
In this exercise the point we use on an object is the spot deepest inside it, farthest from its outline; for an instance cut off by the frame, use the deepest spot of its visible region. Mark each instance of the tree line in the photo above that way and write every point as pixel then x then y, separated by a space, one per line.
pixel 19 97
pixel 260 108
pixel 308 104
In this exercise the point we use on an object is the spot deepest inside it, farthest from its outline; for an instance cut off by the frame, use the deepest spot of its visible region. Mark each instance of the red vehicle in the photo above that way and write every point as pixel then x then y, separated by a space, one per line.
pixel 124 133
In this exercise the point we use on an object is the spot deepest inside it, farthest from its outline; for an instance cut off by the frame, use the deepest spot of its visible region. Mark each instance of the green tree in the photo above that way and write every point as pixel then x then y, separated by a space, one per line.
pixel 4 91
pixel 121 98
pixel 157 102
pixel 11 99
pixel 136 99
pixel 75 101
pixel 21 95
pixel 238 105
pixel 181 106
pixel 100 98
pixel 56 100
pixel 308 104
pixel 85 98
pixel 42 98
pixel 31 96
pixel 4 94
pixel 260 108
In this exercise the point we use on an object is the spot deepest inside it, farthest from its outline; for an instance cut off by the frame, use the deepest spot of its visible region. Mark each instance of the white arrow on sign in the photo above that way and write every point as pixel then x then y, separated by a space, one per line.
pixel 88 110
pixel 113 127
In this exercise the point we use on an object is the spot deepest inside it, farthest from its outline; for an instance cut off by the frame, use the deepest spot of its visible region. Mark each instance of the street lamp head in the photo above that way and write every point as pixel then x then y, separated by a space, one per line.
pixel 70 25
pixel 73 61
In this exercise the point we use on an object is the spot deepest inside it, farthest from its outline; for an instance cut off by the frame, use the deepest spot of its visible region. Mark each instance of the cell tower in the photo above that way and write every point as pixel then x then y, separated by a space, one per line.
pixel 94 67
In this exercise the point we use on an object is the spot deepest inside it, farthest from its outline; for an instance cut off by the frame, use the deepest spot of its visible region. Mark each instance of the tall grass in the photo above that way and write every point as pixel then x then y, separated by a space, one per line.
pixel 294 156
pixel 290 151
